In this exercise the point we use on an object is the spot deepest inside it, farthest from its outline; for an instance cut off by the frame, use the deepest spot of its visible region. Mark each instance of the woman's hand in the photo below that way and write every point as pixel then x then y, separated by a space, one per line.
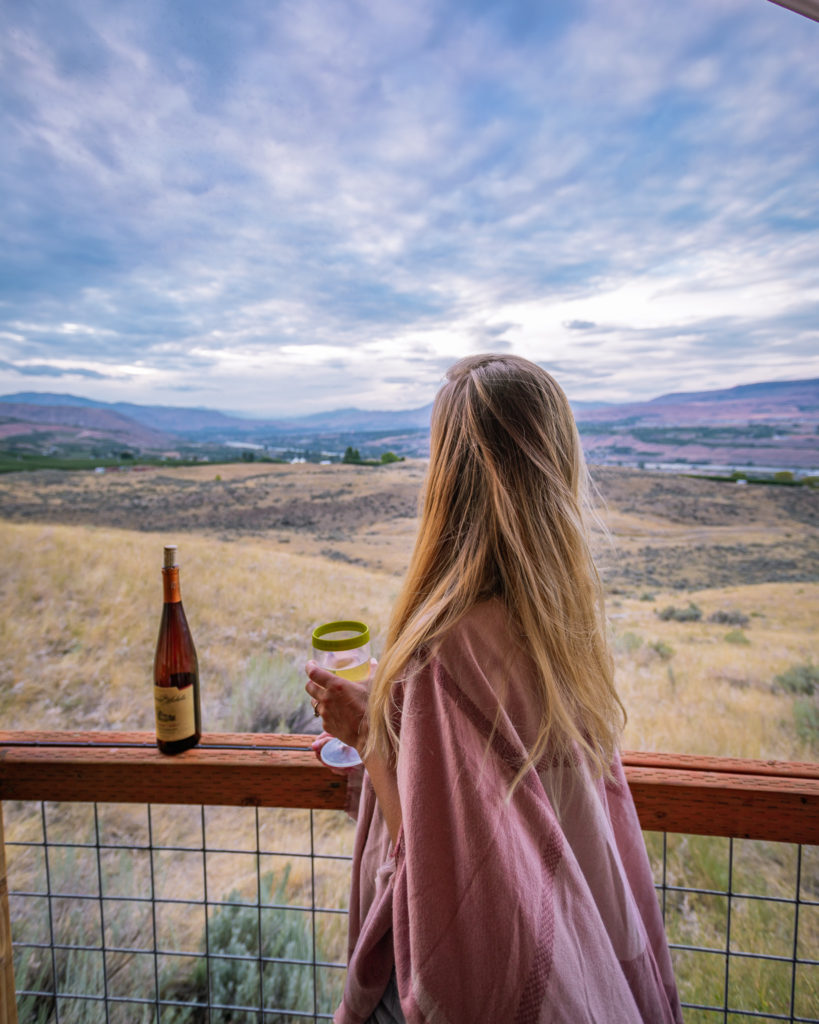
pixel 343 709
pixel 342 704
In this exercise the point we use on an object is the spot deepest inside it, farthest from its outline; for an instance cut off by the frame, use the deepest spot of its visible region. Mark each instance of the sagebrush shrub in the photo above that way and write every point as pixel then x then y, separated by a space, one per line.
pixel 806 720
pixel 802 679
pixel 690 614
pixel 736 636
pixel 730 618
pixel 236 938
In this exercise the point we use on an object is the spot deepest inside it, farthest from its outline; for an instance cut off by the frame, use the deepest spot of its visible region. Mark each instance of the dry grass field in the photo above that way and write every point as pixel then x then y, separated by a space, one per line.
pixel 269 551
pixel 712 597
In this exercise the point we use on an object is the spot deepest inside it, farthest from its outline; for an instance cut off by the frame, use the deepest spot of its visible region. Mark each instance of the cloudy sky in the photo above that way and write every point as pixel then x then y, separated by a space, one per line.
pixel 279 207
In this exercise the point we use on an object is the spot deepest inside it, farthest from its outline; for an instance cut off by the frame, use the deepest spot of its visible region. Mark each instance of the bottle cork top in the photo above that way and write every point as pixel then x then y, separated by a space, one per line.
pixel 170 556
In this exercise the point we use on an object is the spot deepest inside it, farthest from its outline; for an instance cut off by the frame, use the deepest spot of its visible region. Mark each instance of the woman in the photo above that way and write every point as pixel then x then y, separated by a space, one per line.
pixel 499 871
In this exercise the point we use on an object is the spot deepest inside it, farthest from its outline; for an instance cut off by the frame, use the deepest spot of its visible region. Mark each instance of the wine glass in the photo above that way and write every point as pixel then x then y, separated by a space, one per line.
pixel 343 648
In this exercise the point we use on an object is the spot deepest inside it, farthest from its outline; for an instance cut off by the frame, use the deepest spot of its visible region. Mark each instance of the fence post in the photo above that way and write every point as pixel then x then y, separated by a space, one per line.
pixel 8 1000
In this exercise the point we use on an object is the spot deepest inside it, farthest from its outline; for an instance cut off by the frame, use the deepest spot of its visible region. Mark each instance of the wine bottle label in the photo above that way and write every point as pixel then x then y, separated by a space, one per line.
pixel 175 715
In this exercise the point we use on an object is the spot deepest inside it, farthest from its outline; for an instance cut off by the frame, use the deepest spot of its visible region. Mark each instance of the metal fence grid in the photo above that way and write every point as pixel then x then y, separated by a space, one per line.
pixel 193 914
pixel 179 925
pixel 745 940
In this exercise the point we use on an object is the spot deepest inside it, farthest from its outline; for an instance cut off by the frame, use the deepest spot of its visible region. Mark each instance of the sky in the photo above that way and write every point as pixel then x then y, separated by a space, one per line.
pixel 276 208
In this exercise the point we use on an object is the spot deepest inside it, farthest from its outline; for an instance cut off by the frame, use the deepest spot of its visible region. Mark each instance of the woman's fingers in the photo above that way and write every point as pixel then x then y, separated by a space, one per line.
pixel 340 703
pixel 320 682
pixel 315 690
pixel 318 674
pixel 319 686
pixel 319 742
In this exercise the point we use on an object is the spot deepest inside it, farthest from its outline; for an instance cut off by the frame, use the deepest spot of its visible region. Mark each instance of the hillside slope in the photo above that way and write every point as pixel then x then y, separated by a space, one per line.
pixel 18 418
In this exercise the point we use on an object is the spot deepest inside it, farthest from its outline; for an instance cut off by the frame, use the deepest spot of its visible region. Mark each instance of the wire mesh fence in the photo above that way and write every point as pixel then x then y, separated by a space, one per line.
pixel 129 913
pixel 132 913
pixel 742 918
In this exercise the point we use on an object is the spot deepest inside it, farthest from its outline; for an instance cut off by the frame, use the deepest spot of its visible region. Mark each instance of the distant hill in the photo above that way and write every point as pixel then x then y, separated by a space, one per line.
pixel 79 420
pixel 774 390
pixel 360 419
pixel 767 402
pixel 771 423
pixel 173 419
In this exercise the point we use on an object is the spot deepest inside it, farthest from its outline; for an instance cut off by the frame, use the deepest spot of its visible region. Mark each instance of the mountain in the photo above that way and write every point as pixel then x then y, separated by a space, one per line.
pixel 766 391
pixel 774 423
pixel 77 422
pixel 186 421
pixel 172 419
pixel 360 419
pixel 767 402
pixel 48 398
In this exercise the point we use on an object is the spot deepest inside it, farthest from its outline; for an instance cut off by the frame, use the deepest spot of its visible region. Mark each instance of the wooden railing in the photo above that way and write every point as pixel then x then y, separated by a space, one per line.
pixel 711 796
pixel 720 796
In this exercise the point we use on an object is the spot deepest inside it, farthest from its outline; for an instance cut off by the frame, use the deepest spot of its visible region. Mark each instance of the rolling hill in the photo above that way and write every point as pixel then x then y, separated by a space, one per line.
pixel 774 424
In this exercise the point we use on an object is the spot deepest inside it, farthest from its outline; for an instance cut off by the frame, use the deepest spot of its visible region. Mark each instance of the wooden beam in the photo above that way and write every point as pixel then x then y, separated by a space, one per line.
pixel 781 809
pixel 732 765
pixel 773 800
pixel 69 738
pixel 208 774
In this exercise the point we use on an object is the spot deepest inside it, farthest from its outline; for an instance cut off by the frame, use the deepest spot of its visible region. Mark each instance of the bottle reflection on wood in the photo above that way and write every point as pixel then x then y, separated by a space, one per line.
pixel 176 670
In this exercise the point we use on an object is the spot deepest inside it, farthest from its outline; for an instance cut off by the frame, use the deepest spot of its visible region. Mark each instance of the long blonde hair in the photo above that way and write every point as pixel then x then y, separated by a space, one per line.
pixel 504 515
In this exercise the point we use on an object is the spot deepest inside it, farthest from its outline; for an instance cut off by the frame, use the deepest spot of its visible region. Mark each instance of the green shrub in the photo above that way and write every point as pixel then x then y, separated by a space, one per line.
pixel 76 960
pixel 690 614
pixel 663 650
pixel 647 596
pixel 802 679
pixel 736 636
pixel 234 932
pixel 241 939
pixel 806 720
pixel 730 618
pixel 628 642
pixel 269 697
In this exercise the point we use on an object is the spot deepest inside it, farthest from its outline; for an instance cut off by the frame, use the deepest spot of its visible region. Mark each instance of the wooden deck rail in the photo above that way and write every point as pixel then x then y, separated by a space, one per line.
pixel 773 800
pixel 718 796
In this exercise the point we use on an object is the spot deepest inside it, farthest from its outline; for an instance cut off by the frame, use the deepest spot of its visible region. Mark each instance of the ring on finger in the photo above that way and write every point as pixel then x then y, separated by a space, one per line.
pixel 315 709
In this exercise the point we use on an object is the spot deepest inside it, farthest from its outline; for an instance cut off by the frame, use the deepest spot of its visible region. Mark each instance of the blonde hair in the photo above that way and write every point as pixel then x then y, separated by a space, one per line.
pixel 504 515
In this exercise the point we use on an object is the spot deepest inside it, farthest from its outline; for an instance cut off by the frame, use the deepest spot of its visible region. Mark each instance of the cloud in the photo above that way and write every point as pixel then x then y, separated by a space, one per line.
pixel 261 199
pixel 45 370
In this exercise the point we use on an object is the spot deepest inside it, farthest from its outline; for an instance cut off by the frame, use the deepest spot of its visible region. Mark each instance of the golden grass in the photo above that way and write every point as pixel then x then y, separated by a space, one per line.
pixel 712 696
pixel 82 607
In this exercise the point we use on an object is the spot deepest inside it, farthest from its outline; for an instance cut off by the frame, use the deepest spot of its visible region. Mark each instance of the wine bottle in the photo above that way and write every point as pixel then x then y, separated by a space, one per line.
pixel 176 670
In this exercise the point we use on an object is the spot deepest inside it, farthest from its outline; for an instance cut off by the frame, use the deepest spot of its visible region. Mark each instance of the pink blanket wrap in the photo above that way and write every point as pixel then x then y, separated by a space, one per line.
pixel 537 908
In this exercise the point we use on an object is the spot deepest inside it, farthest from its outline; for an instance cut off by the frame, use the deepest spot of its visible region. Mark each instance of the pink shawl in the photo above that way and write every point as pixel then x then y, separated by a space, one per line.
pixel 539 908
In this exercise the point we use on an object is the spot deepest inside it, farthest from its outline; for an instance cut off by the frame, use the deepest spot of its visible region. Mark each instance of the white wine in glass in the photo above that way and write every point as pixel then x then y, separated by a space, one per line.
pixel 343 648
